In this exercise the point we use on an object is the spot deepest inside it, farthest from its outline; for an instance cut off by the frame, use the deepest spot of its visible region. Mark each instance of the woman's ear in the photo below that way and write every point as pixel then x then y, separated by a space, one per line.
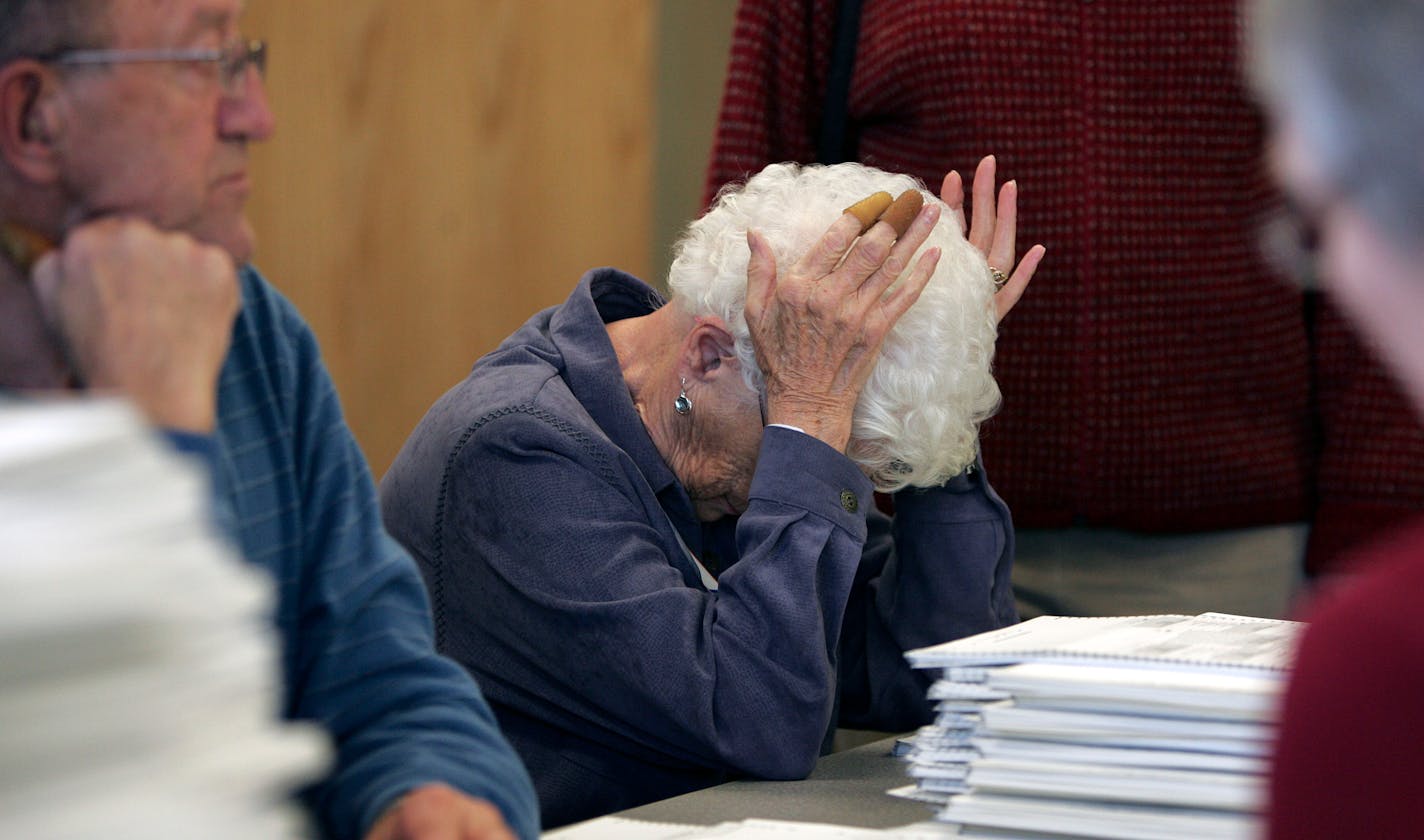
pixel 711 350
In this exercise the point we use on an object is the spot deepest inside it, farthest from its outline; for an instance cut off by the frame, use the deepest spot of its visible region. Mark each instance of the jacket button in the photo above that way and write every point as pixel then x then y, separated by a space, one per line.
pixel 849 501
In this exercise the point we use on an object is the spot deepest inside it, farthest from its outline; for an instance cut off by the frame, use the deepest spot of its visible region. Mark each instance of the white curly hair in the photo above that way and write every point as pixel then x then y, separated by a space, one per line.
pixel 917 421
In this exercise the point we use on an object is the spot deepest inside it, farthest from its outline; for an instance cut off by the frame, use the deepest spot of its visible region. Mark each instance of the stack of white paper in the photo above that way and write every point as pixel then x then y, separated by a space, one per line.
pixel 1117 727
pixel 140 671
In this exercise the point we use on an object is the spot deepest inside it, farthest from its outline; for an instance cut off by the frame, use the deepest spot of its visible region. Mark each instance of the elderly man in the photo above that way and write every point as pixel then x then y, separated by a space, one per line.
pixel 1342 81
pixel 124 127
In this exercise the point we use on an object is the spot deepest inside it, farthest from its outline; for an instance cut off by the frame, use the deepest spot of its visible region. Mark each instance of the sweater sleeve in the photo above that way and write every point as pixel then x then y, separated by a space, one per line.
pixel 602 626
pixel 938 571
pixel 361 657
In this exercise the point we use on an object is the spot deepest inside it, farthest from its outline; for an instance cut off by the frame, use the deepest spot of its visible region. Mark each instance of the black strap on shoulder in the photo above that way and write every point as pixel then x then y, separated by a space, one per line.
pixel 835 144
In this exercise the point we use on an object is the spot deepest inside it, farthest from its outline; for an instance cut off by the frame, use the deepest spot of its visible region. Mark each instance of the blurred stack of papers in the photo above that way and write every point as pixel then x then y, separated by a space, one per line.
pixel 1134 727
pixel 139 665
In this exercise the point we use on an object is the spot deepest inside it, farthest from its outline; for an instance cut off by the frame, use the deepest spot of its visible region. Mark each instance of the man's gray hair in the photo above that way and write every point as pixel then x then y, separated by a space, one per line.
pixel 917 420
pixel 39 27
pixel 1347 76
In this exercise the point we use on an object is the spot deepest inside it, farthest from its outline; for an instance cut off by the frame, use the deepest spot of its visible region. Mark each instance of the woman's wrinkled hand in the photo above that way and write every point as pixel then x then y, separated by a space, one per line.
pixel 817 327
pixel 994 229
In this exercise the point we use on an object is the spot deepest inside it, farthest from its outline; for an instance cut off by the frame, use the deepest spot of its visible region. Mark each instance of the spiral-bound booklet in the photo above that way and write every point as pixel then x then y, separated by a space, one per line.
pixel 1209 642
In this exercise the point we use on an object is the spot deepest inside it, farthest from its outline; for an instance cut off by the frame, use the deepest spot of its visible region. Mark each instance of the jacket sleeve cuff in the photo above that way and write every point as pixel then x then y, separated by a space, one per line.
pixel 798 470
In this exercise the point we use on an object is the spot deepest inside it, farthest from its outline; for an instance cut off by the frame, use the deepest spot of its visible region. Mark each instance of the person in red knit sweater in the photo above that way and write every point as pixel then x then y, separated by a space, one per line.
pixel 1341 81
pixel 1178 421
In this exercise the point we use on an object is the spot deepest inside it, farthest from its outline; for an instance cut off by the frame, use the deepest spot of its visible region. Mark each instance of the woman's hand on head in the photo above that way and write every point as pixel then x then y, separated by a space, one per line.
pixel 817 327
pixel 994 229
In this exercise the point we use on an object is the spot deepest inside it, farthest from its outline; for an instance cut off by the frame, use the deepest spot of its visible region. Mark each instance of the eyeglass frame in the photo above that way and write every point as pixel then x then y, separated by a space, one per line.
pixel 232 61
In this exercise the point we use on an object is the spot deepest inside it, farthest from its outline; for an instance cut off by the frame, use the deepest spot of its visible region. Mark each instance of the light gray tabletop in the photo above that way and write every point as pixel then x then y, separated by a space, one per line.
pixel 847 788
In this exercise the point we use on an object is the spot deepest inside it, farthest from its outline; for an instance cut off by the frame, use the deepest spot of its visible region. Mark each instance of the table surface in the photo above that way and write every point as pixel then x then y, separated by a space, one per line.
pixel 847 788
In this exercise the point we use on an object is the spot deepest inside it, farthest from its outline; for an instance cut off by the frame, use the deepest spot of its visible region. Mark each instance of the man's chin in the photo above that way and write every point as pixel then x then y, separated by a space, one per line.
pixel 238 239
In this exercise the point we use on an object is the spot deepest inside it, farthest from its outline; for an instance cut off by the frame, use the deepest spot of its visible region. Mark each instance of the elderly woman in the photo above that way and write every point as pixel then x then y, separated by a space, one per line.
pixel 648 529
pixel 1343 83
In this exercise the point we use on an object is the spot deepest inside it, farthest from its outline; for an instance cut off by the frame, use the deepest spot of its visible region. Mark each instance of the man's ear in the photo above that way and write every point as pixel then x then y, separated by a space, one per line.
pixel 711 350
pixel 29 116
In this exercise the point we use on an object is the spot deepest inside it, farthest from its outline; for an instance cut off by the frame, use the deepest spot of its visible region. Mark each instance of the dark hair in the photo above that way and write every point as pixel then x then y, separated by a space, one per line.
pixel 37 27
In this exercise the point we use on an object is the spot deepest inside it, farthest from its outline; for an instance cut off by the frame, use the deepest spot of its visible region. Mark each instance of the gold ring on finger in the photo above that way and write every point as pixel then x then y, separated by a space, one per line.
pixel 1000 278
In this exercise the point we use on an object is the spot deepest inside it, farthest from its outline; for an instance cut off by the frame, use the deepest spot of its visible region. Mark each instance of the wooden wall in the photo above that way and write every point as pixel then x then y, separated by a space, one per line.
pixel 693 39
pixel 442 169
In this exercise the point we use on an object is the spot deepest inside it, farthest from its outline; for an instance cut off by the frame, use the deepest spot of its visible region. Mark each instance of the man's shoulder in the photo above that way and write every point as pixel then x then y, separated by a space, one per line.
pixel 273 348
pixel 259 293
pixel 1376 603
pixel 1393 559
pixel 267 315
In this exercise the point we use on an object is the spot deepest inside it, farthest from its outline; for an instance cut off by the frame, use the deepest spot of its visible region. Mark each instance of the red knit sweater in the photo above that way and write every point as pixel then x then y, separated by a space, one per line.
pixel 1157 375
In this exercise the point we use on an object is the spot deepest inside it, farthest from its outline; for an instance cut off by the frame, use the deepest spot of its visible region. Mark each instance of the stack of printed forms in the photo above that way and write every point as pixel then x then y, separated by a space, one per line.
pixel 1134 727
pixel 140 668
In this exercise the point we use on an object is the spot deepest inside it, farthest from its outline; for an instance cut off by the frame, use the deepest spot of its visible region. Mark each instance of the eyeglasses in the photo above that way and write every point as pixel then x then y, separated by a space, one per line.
pixel 231 61
pixel 1290 241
